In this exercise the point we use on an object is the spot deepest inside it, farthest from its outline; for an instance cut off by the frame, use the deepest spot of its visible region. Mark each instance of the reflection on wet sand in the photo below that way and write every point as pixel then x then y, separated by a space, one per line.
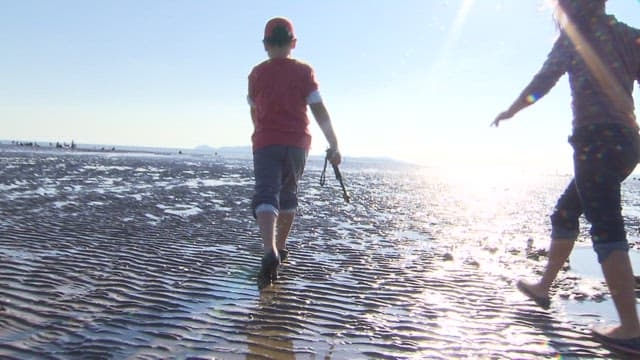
pixel 270 336
pixel 142 256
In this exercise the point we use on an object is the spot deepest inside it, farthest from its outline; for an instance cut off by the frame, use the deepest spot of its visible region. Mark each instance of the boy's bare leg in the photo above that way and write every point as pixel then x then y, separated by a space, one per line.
pixel 618 274
pixel 267 225
pixel 559 252
pixel 284 223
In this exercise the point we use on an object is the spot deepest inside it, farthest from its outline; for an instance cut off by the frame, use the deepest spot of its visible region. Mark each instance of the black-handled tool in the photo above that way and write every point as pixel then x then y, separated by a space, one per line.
pixel 336 171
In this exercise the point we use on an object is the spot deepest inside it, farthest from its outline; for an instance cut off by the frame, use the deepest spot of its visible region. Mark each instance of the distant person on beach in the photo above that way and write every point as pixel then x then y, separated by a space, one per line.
pixel 280 89
pixel 602 57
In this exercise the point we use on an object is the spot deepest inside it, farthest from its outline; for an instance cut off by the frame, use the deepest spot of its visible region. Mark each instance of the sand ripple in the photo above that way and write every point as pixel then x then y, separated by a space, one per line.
pixel 155 257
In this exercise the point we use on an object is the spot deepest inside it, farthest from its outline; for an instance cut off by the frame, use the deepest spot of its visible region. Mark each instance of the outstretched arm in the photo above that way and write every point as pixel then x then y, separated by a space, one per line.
pixel 321 115
pixel 552 69
pixel 520 103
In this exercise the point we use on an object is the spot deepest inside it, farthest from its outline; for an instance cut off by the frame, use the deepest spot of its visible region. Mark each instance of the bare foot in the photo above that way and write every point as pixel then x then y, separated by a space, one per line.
pixel 535 292
pixel 535 288
pixel 616 332
pixel 616 338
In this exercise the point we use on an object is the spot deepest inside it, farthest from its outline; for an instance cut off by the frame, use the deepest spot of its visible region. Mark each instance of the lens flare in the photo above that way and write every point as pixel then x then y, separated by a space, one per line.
pixel 532 98
pixel 611 86
pixel 451 39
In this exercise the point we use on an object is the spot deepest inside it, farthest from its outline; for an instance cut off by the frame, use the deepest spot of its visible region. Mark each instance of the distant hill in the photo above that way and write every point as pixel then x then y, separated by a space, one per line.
pixel 205 149
pixel 245 152
pixel 238 152
pixel 226 151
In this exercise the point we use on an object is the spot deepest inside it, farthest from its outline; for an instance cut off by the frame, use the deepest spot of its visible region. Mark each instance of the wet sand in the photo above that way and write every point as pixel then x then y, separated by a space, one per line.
pixel 142 256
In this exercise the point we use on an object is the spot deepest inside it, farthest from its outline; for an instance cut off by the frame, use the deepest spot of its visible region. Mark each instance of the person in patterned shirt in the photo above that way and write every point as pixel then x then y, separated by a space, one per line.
pixel 602 58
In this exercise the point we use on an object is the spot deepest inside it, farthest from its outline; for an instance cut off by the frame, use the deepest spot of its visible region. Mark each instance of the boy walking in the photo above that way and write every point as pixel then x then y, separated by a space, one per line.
pixel 280 89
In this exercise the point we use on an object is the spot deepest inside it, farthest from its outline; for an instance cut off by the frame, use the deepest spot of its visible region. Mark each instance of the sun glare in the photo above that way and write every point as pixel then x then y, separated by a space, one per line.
pixel 453 35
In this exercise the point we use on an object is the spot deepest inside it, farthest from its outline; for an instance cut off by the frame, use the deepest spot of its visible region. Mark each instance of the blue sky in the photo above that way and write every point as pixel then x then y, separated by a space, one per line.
pixel 411 79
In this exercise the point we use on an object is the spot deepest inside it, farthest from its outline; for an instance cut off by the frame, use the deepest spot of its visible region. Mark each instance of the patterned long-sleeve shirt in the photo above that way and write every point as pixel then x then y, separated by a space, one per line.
pixel 602 68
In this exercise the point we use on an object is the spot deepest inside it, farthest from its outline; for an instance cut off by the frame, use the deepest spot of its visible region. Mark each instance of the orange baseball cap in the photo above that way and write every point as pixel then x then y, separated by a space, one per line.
pixel 275 22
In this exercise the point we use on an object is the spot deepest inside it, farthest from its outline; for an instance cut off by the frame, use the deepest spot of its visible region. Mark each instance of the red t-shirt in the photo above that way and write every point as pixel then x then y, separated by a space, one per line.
pixel 278 90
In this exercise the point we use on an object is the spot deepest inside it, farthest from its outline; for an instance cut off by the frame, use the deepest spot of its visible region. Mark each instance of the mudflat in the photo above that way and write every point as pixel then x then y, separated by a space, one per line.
pixel 125 255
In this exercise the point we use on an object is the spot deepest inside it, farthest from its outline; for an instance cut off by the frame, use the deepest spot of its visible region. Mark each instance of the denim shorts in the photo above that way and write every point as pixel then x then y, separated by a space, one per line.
pixel 604 155
pixel 277 170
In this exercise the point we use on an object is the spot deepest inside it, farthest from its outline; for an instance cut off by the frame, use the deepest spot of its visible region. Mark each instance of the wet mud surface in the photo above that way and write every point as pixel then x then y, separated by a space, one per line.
pixel 114 256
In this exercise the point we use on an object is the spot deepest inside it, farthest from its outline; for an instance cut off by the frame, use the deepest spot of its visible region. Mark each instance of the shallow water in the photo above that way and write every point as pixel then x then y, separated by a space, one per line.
pixel 140 256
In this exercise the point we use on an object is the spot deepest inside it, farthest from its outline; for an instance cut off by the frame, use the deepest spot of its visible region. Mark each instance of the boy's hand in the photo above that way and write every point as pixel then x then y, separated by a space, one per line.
pixel 334 156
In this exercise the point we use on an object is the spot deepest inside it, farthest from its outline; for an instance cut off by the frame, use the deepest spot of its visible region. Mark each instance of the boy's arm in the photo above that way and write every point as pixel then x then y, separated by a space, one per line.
pixel 321 115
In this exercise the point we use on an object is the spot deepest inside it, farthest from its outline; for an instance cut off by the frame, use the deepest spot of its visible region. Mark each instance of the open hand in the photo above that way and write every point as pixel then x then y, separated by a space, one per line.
pixel 502 116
